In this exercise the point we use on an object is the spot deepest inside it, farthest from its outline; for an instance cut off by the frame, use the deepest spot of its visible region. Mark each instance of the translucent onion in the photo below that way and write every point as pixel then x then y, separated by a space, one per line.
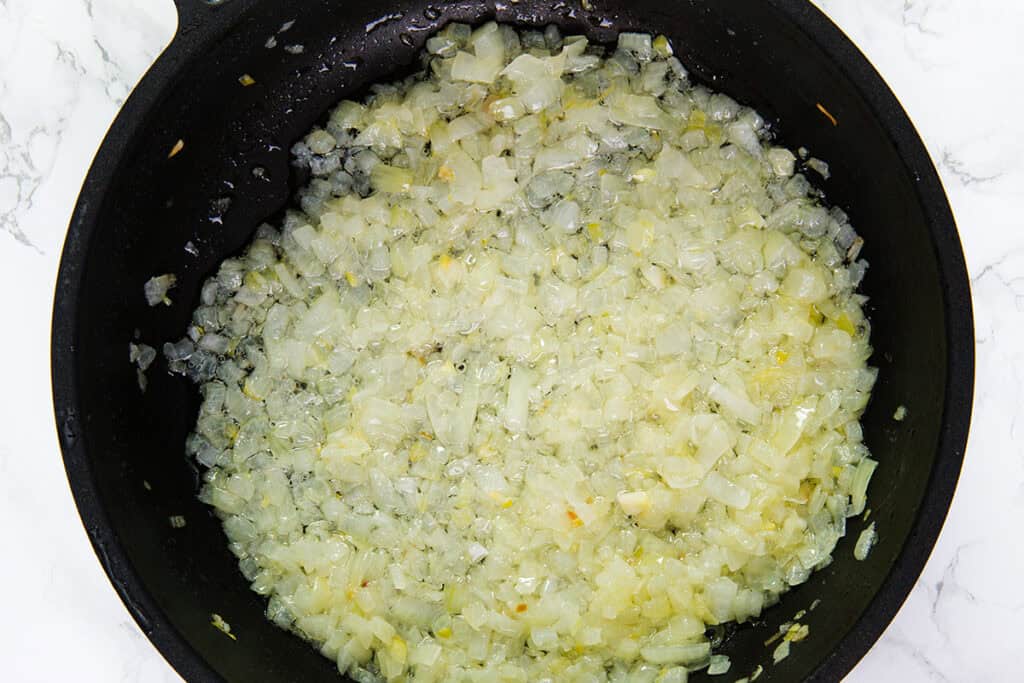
pixel 557 363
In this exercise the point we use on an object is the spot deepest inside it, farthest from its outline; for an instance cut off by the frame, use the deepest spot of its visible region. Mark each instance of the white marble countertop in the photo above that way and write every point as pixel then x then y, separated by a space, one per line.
pixel 67 65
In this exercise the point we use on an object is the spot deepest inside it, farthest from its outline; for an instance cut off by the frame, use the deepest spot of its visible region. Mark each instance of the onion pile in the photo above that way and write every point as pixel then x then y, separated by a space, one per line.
pixel 559 364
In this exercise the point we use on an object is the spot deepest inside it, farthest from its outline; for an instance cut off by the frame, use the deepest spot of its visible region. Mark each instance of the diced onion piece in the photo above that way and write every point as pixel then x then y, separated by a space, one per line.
pixel 518 405
pixel 725 491
pixel 734 403
pixel 477 552
pixel 676 654
pixel 386 178
pixel 782 161
pixel 718 665
pixel 156 289
pixel 859 487
pixel 467 67
pixel 865 542
pixel 634 503
pixel 638 110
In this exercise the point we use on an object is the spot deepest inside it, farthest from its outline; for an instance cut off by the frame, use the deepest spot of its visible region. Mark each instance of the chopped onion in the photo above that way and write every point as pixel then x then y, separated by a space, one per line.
pixel 865 542
pixel 719 664
pixel 557 363
pixel 859 486
pixel 156 289
pixel 517 407
pixel 725 491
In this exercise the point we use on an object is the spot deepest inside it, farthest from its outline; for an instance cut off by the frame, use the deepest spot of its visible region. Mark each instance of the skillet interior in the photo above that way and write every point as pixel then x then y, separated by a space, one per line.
pixel 138 209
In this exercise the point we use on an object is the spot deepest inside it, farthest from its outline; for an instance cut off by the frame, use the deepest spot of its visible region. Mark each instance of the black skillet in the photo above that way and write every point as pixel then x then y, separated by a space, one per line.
pixel 138 208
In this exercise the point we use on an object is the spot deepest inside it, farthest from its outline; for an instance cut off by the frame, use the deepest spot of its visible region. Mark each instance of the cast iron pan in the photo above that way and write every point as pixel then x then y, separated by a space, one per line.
pixel 138 208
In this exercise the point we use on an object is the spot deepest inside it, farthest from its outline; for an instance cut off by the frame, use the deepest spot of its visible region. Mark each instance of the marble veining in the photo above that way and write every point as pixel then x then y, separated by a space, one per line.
pixel 67 65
